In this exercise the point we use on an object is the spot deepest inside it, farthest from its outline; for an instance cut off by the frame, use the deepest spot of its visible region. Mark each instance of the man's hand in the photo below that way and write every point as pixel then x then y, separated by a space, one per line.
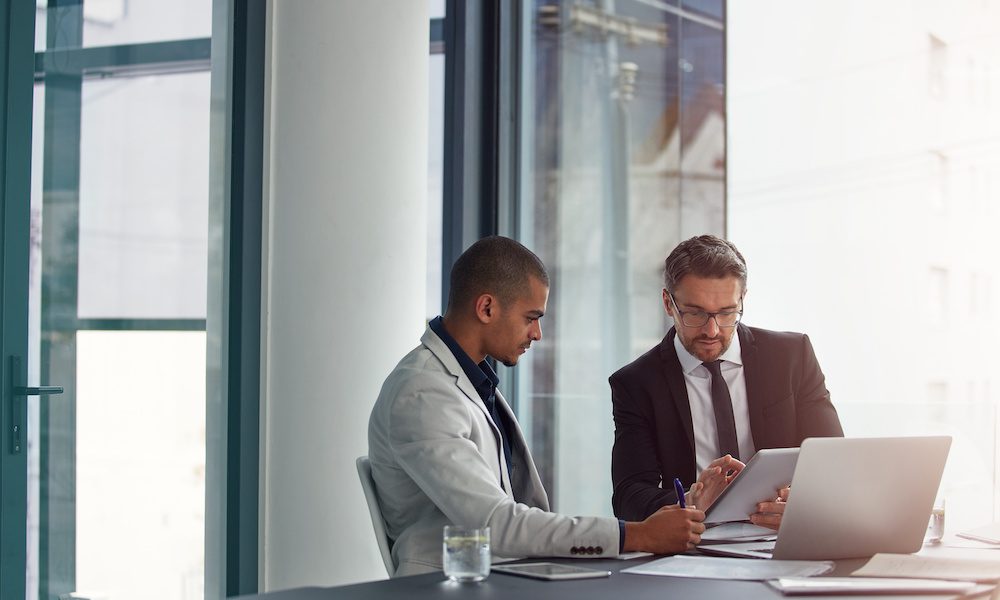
pixel 769 513
pixel 712 481
pixel 667 531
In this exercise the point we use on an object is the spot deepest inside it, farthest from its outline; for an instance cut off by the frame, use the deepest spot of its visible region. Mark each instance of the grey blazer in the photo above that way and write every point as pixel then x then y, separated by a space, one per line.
pixel 436 460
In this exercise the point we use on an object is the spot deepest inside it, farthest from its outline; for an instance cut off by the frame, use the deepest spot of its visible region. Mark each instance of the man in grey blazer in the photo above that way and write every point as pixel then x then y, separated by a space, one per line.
pixel 445 447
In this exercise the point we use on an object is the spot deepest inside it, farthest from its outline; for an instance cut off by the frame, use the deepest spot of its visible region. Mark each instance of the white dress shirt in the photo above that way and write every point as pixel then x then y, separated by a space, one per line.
pixel 699 389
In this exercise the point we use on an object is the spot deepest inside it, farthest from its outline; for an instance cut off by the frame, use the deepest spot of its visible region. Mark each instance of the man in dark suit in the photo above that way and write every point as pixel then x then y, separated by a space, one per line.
pixel 713 392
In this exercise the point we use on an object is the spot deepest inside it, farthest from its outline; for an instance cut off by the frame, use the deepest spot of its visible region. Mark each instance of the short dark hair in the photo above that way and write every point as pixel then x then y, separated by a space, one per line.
pixel 704 256
pixel 494 265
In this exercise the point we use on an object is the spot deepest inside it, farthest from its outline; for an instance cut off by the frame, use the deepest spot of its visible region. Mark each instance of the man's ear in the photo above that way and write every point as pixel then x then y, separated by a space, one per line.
pixel 486 308
pixel 667 304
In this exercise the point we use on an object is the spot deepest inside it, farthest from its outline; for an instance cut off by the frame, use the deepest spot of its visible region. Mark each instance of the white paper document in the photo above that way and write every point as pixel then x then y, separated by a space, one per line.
pixel 989 534
pixel 801 586
pixel 738 532
pixel 928 567
pixel 711 567
pixel 953 541
pixel 632 555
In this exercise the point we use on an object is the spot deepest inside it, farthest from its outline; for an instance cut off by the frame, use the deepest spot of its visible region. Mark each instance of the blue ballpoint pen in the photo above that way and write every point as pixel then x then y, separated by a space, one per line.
pixel 680 492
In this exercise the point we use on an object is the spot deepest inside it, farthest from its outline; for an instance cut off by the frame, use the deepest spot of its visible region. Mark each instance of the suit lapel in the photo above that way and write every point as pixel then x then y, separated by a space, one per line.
pixel 526 486
pixel 751 371
pixel 441 350
pixel 676 385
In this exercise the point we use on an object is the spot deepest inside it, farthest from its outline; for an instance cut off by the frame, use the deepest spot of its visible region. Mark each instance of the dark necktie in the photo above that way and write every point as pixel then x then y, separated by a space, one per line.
pixel 722 403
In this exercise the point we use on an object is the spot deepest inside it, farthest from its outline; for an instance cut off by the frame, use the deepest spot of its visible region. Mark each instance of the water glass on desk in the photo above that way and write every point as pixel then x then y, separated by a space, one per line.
pixel 935 528
pixel 466 553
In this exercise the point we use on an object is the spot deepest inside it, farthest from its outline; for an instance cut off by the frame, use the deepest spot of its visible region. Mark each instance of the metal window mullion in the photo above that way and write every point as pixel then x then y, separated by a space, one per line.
pixel 60 260
pixel 17 26
pixel 232 542
pixel 150 58
pixel 470 128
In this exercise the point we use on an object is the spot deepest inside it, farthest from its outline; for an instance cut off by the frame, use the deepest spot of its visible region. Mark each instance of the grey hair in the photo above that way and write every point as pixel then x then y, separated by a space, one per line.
pixel 704 256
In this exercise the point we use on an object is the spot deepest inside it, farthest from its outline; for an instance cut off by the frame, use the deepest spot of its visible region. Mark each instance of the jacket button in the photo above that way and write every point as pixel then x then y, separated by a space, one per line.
pixel 599 550
pixel 590 549
pixel 574 550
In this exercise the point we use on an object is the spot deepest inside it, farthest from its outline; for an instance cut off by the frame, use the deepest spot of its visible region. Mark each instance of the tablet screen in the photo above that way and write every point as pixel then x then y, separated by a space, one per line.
pixel 767 471
pixel 548 570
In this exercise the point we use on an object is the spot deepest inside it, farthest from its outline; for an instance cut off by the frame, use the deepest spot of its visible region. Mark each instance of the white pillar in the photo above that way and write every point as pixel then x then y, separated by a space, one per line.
pixel 345 267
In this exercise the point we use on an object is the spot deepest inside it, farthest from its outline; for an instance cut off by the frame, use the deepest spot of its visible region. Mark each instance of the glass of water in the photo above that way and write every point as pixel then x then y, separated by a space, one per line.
pixel 935 528
pixel 466 553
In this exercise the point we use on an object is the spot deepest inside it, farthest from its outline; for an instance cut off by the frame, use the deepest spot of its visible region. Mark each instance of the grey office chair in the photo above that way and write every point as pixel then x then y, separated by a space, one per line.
pixel 375 510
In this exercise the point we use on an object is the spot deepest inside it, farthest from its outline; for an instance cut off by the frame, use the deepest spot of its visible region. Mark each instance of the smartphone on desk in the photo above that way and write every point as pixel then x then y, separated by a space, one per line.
pixel 550 571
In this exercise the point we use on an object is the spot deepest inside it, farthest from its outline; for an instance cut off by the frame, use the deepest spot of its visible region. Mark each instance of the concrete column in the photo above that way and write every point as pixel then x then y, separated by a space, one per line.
pixel 345 267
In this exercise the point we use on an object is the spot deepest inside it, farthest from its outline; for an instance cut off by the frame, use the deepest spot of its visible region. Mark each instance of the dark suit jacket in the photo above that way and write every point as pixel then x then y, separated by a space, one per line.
pixel 654 441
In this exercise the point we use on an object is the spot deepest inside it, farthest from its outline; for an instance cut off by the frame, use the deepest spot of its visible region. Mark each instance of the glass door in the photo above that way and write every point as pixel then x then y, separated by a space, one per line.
pixel 115 296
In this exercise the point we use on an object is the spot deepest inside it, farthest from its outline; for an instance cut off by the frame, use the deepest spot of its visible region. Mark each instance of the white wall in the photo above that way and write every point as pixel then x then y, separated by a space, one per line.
pixel 345 267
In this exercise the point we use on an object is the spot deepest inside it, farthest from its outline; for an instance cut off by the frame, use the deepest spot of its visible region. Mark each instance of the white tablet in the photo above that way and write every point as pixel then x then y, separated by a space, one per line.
pixel 767 471
pixel 550 571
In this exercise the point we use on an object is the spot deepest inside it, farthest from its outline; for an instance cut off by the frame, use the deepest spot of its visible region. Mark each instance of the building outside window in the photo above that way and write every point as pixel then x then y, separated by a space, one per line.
pixel 622 155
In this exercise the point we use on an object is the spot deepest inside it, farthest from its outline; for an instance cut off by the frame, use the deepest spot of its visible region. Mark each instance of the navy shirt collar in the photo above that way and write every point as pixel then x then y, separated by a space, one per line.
pixel 483 378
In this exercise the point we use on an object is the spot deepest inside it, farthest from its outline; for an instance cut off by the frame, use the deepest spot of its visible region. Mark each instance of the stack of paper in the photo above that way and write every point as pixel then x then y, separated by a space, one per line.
pixel 738 532
pixel 902 574
pixel 708 567
pixel 929 567
pixel 987 533
pixel 797 586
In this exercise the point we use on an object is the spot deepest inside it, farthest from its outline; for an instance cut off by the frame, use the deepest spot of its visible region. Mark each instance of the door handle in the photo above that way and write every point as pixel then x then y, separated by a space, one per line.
pixel 42 390
pixel 18 394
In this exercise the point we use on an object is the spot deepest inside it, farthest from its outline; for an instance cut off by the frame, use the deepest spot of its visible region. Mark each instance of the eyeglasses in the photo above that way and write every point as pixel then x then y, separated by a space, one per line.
pixel 699 318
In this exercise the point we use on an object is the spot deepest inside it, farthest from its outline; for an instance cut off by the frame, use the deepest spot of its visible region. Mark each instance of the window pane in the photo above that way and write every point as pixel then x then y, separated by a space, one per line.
pixel 116 496
pixel 144 197
pixel 34 343
pixel 140 475
pixel 436 8
pixel 40 24
pixel 623 153
pixel 114 22
pixel 435 184
pixel 854 197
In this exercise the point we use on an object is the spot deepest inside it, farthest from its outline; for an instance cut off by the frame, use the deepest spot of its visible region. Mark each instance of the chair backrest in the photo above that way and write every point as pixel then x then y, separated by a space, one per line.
pixel 375 510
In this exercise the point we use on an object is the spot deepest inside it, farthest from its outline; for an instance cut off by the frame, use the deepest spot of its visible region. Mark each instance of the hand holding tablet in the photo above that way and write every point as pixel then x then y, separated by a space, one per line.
pixel 713 481
pixel 769 512
pixel 768 471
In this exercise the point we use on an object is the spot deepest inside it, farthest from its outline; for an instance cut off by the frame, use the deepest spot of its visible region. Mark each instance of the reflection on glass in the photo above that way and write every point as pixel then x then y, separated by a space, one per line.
pixel 714 9
pixel 623 155
pixel 144 197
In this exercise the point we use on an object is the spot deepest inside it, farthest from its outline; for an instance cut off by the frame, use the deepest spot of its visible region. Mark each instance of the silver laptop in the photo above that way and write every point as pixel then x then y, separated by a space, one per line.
pixel 855 497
